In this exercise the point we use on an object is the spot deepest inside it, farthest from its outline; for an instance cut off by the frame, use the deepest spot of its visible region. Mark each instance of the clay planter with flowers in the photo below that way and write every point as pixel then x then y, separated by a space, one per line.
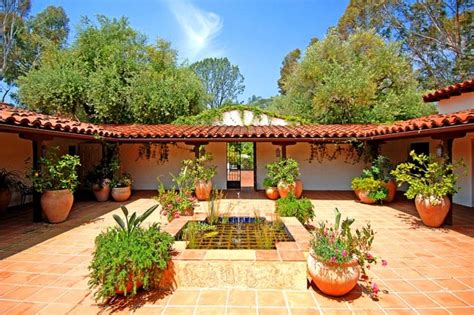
pixel 99 178
pixel 338 257
pixel 56 178
pixel 9 181
pixel 121 187
pixel 128 257
pixel 202 173
pixel 430 182
pixel 175 203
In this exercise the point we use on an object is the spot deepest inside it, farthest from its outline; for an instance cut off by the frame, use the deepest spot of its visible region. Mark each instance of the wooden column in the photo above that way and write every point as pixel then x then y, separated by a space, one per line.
pixel 283 147
pixel 197 146
pixel 448 145
pixel 37 153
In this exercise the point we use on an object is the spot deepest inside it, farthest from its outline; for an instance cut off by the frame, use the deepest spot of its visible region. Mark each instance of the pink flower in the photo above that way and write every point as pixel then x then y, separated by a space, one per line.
pixel 164 212
pixel 170 206
pixel 368 266
pixel 176 215
pixel 369 256
pixel 333 259
pixel 384 263
pixel 364 277
pixel 375 288
pixel 344 253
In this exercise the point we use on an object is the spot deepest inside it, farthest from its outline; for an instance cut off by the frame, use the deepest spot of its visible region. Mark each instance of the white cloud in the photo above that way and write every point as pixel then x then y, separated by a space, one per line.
pixel 200 29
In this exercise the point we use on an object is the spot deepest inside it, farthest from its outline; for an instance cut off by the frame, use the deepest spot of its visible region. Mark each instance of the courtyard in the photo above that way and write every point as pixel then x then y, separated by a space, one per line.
pixel 43 267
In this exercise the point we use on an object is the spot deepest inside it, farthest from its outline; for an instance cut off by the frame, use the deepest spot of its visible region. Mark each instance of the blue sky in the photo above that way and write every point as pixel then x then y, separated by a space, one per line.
pixel 254 34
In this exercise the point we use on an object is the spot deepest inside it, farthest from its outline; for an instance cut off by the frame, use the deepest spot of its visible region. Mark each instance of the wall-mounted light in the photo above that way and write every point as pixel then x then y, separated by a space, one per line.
pixel 440 150
pixel 278 152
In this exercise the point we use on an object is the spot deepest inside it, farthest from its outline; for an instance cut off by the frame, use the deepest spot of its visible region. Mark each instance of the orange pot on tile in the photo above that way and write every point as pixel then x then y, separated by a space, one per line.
pixel 332 278
pixel 432 210
pixel 272 193
pixel 298 188
pixel 364 197
pixel 203 189
pixel 284 189
pixel 101 193
pixel 128 286
pixel 57 204
pixel 392 191
pixel 121 193
pixel 5 197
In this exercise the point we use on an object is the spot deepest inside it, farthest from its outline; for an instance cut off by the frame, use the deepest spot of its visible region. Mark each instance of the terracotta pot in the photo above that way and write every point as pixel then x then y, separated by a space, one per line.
pixel 188 212
pixel 5 197
pixel 432 211
pixel 392 190
pixel 284 189
pixel 357 192
pixel 128 286
pixel 332 278
pixel 298 188
pixel 203 189
pixel 101 194
pixel 272 193
pixel 57 204
pixel 364 197
pixel 121 193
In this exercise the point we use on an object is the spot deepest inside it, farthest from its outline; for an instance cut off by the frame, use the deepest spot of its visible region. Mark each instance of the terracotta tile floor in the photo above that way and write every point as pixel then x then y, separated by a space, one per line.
pixel 43 268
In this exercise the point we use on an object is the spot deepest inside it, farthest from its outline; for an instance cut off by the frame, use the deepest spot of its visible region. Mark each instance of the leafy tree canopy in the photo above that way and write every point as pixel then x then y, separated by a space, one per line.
pixel 222 80
pixel 358 80
pixel 110 74
pixel 436 34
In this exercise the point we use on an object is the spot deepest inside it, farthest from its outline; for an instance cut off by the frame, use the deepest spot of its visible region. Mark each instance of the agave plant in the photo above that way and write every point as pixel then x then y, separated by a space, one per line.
pixel 133 221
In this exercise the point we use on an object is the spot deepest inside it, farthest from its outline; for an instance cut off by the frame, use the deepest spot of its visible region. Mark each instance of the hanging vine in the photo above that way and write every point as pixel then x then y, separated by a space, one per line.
pixel 353 151
pixel 158 151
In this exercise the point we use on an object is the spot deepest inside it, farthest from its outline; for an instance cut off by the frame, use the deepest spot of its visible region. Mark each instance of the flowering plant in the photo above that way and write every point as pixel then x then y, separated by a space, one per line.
pixel 174 203
pixel 338 244
pixel 124 180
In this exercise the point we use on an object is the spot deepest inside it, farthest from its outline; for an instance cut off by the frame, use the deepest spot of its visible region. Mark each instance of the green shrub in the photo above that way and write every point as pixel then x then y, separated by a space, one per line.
pixel 374 187
pixel 302 208
pixel 129 251
pixel 56 172
pixel 286 171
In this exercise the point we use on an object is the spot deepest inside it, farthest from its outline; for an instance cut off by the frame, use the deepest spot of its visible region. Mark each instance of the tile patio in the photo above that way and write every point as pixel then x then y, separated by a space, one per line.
pixel 43 268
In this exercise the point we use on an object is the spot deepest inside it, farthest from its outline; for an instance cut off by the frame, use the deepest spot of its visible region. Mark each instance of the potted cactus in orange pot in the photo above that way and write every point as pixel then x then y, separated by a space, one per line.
pixel 430 181
pixel 56 178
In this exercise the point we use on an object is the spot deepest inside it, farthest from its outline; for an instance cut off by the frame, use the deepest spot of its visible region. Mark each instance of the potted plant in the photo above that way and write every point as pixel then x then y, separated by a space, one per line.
pixel 100 178
pixel 376 184
pixel 128 257
pixel 121 187
pixel 202 173
pixel 287 178
pixel 9 181
pixel 290 206
pixel 338 256
pixel 175 203
pixel 271 190
pixel 429 182
pixel 56 178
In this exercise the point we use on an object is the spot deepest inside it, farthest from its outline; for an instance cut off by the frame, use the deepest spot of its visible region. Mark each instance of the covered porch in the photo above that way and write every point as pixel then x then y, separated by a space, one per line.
pixel 43 268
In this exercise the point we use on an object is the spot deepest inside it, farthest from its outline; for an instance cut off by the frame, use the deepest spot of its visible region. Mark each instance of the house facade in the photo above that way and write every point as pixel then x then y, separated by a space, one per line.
pixel 326 154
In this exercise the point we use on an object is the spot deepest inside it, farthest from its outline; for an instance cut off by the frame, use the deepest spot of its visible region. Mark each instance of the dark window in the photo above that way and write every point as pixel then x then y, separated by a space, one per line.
pixel 72 150
pixel 420 147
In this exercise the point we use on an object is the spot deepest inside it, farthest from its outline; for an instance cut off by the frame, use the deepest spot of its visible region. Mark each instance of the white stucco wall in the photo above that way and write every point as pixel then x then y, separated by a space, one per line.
pixel 248 118
pixel 145 171
pixel 463 148
pixel 456 103
pixel 328 175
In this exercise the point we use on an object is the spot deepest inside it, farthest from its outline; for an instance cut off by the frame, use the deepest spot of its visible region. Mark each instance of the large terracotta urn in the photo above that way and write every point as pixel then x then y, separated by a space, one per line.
pixel 391 191
pixel 57 204
pixel 284 189
pixel 5 197
pixel 101 193
pixel 272 193
pixel 203 189
pixel 332 278
pixel 298 188
pixel 121 193
pixel 432 210
pixel 364 197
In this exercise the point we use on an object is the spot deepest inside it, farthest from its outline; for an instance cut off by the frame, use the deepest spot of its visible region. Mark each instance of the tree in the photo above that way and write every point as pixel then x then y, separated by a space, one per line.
pixel 221 79
pixel 288 66
pixel 437 34
pixel 110 74
pixel 358 80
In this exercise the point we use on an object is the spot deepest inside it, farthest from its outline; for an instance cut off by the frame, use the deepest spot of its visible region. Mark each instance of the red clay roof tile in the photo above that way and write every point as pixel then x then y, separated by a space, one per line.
pixel 10 115
pixel 452 90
